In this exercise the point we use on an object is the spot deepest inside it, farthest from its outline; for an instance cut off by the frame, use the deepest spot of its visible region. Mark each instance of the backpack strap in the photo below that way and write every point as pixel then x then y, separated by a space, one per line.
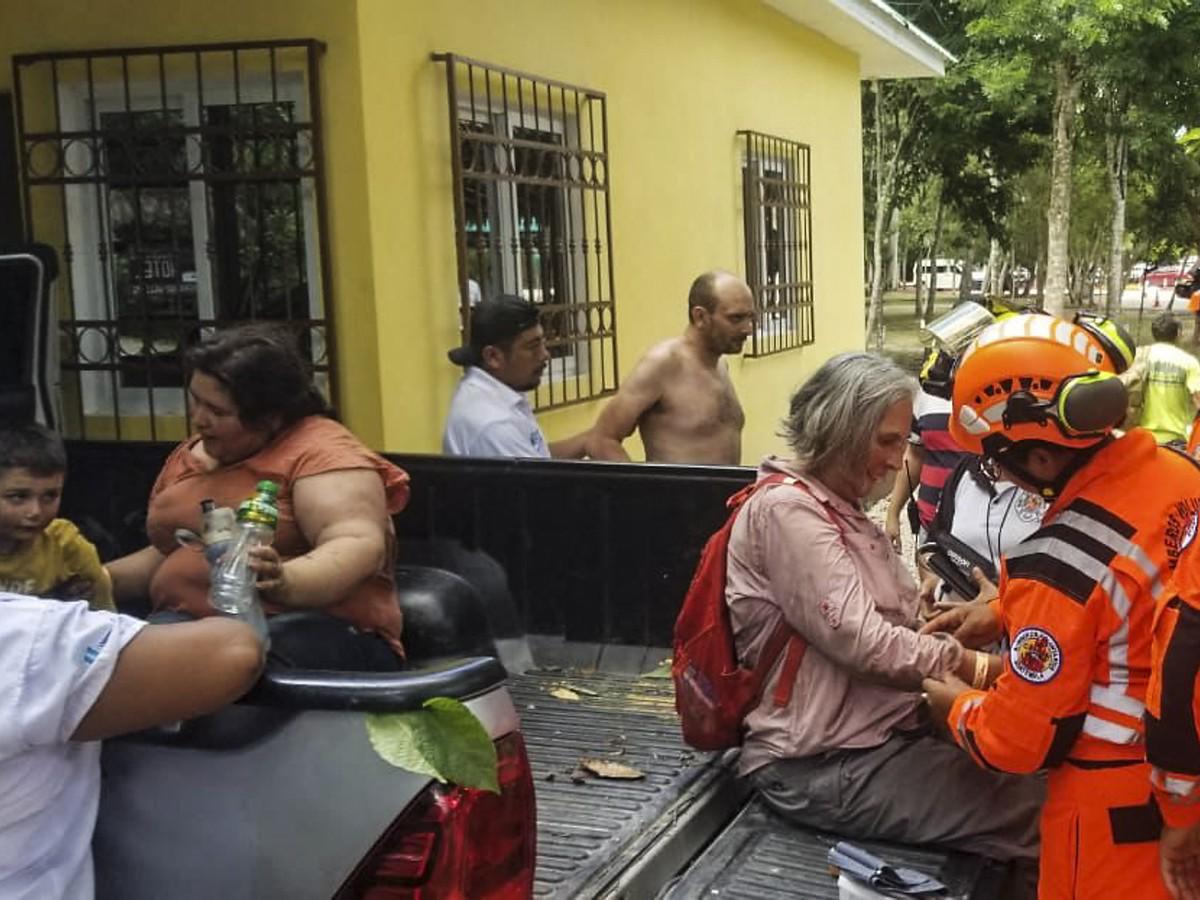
pixel 783 635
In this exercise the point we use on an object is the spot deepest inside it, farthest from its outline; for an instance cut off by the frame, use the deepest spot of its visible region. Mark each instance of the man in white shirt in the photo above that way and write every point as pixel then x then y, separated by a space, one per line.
pixel 504 360
pixel 68 678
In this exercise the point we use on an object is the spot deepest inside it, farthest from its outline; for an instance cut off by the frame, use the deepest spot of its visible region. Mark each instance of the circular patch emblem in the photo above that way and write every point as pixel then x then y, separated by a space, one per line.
pixel 1035 655
pixel 1030 507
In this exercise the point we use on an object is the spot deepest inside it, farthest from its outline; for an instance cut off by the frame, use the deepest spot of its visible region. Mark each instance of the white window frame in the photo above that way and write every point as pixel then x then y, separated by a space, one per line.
pixel 574 363
pixel 83 215
pixel 766 325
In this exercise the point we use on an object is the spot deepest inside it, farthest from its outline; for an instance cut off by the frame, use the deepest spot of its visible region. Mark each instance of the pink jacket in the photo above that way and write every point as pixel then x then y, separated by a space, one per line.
pixel 802 552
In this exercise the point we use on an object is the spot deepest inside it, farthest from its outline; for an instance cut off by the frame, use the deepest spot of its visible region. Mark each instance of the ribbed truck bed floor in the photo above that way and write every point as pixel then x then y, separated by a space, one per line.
pixel 590 829
pixel 760 856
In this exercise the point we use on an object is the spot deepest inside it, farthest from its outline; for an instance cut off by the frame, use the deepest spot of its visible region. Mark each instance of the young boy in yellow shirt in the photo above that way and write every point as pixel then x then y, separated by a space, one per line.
pixel 41 555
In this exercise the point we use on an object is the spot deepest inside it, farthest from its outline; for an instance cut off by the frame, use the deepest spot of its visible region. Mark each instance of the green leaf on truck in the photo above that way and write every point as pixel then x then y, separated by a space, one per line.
pixel 443 740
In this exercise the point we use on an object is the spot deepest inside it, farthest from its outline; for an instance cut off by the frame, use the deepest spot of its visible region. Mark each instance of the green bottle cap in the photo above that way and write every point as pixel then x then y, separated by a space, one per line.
pixel 261 507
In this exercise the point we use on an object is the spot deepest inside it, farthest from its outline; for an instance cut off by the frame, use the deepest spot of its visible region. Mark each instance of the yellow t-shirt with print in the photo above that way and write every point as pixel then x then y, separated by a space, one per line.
pixel 61 564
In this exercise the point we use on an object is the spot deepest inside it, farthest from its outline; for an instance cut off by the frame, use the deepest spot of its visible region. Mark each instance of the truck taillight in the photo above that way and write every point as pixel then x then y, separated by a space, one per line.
pixel 455 843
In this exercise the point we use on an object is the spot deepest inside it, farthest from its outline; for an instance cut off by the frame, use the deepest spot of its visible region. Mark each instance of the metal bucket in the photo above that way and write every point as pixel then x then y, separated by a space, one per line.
pixel 953 331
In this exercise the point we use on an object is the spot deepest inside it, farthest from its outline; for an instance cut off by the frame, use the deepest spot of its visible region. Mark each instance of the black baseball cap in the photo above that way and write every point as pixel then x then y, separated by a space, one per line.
pixel 493 322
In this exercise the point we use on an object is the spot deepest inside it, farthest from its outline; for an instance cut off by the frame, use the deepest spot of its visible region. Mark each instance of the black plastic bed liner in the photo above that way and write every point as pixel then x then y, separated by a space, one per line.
pixel 591 831
pixel 760 856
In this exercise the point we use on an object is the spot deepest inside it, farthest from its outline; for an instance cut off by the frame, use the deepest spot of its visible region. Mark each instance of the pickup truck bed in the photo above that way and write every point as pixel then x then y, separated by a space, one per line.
pixel 676 833
pixel 602 836
pixel 762 857
pixel 582 566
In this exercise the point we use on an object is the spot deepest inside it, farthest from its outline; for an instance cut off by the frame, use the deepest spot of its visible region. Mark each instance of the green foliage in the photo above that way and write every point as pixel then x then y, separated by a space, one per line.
pixel 1190 141
pixel 443 740
pixel 986 125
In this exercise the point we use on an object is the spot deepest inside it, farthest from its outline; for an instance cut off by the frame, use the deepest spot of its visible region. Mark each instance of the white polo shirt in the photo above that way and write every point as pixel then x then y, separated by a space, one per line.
pixel 488 418
pixel 55 659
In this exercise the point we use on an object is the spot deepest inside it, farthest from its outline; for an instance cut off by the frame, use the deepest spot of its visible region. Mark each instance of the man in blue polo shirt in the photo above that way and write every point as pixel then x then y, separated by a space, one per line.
pixel 490 414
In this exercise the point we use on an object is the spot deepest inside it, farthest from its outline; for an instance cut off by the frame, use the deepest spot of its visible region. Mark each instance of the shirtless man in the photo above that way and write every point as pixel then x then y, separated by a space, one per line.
pixel 679 395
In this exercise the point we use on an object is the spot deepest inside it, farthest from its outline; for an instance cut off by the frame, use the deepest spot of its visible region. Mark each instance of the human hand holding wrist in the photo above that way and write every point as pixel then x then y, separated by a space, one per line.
pixel 940 694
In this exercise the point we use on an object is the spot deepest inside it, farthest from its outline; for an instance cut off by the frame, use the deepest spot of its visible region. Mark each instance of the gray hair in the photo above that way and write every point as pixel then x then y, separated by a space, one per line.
pixel 833 416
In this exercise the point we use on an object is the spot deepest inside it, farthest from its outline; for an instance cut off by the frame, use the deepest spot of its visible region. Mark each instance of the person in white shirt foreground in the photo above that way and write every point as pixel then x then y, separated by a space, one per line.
pixel 70 677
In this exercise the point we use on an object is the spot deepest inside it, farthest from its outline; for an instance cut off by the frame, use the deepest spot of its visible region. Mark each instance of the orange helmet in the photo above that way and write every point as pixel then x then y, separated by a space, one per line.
pixel 1035 377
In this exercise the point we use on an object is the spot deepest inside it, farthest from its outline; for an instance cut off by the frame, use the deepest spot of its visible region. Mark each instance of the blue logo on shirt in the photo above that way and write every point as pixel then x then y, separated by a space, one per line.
pixel 93 651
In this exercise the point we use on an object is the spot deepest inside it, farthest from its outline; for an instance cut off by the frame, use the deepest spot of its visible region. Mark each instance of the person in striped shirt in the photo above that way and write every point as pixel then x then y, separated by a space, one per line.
pixel 931 454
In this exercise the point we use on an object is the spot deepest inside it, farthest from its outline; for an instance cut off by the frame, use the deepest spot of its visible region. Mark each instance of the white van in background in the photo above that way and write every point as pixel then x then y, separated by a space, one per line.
pixel 946 274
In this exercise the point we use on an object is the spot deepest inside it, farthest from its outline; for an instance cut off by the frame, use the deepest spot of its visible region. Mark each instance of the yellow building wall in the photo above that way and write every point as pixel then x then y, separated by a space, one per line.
pixel 28 26
pixel 681 77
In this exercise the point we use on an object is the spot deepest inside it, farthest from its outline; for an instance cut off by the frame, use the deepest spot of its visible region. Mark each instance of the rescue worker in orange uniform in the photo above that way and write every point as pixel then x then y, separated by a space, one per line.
pixel 1037 398
pixel 1172 717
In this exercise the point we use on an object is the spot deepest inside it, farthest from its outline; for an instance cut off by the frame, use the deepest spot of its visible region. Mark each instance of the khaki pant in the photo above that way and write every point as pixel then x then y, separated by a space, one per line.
pixel 913 789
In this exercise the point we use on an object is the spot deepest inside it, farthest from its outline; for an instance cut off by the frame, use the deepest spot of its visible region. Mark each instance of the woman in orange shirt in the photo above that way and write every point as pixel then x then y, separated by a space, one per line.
pixel 328 576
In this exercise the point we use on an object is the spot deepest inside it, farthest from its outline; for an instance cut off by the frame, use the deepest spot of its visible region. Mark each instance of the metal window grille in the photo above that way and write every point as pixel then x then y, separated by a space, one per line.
pixel 183 188
pixel 531 180
pixel 778 230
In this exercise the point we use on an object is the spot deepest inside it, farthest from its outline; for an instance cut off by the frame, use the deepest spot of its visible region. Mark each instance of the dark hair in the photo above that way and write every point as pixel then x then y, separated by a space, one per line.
pixel 1164 327
pixel 32 447
pixel 495 323
pixel 262 369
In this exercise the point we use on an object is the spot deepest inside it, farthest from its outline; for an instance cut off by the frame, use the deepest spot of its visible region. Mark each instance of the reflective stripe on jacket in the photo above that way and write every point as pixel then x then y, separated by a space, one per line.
pixel 1077 602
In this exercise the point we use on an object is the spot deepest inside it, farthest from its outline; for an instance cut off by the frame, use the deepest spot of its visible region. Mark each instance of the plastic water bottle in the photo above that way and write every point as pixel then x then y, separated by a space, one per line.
pixel 232 588
pixel 218 530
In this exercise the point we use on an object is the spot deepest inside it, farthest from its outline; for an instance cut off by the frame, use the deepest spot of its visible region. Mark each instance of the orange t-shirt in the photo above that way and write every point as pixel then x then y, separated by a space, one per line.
pixel 1194 302
pixel 312 446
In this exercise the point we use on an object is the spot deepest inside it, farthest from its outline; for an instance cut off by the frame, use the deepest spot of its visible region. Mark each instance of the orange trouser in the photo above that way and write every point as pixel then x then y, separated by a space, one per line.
pixel 1100 835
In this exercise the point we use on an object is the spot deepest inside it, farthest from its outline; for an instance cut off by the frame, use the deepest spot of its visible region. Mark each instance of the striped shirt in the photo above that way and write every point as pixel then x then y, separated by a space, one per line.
pixel 931 432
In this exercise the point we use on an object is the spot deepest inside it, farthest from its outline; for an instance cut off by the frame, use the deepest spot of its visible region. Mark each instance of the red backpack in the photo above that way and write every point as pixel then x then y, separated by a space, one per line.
pixel 713 692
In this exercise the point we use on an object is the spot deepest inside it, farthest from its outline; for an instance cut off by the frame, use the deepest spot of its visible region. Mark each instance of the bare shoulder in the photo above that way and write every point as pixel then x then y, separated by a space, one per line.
pixel 670 352
pixel 660 361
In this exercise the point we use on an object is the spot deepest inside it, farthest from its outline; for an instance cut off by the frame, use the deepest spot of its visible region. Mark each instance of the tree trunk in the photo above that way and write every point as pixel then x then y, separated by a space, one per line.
pixel 1116 151
pixel 886 182
pixel 894 250
pixel 993 284
pixel 964 282
pixel 917 289
pixel 939 216
pixel 1068 82
pixel 875 304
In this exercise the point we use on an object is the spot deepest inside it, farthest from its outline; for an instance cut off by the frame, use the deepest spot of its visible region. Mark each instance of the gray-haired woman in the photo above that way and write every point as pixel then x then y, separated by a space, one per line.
pixel 851 750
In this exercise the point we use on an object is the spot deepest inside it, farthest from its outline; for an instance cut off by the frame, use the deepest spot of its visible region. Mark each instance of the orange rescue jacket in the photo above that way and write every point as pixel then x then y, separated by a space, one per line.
pixel 1172 710
pixel 1076 602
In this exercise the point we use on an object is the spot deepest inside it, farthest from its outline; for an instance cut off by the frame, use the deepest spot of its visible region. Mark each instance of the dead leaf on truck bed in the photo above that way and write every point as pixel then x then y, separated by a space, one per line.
pixel 562 693
pixel 606 768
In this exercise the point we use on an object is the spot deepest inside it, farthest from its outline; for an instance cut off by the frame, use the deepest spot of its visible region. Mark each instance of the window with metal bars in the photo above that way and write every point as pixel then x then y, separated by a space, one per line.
pixel 183 189
pixel 531 179
pixel 777 219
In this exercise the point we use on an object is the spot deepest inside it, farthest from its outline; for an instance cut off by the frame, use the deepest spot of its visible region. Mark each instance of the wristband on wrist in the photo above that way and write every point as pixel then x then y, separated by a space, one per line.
pixel 981 670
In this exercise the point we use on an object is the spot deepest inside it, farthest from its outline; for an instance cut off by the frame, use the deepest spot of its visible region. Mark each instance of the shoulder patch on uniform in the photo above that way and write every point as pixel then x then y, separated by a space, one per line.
pixel 1183 520
pixel 1035 655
